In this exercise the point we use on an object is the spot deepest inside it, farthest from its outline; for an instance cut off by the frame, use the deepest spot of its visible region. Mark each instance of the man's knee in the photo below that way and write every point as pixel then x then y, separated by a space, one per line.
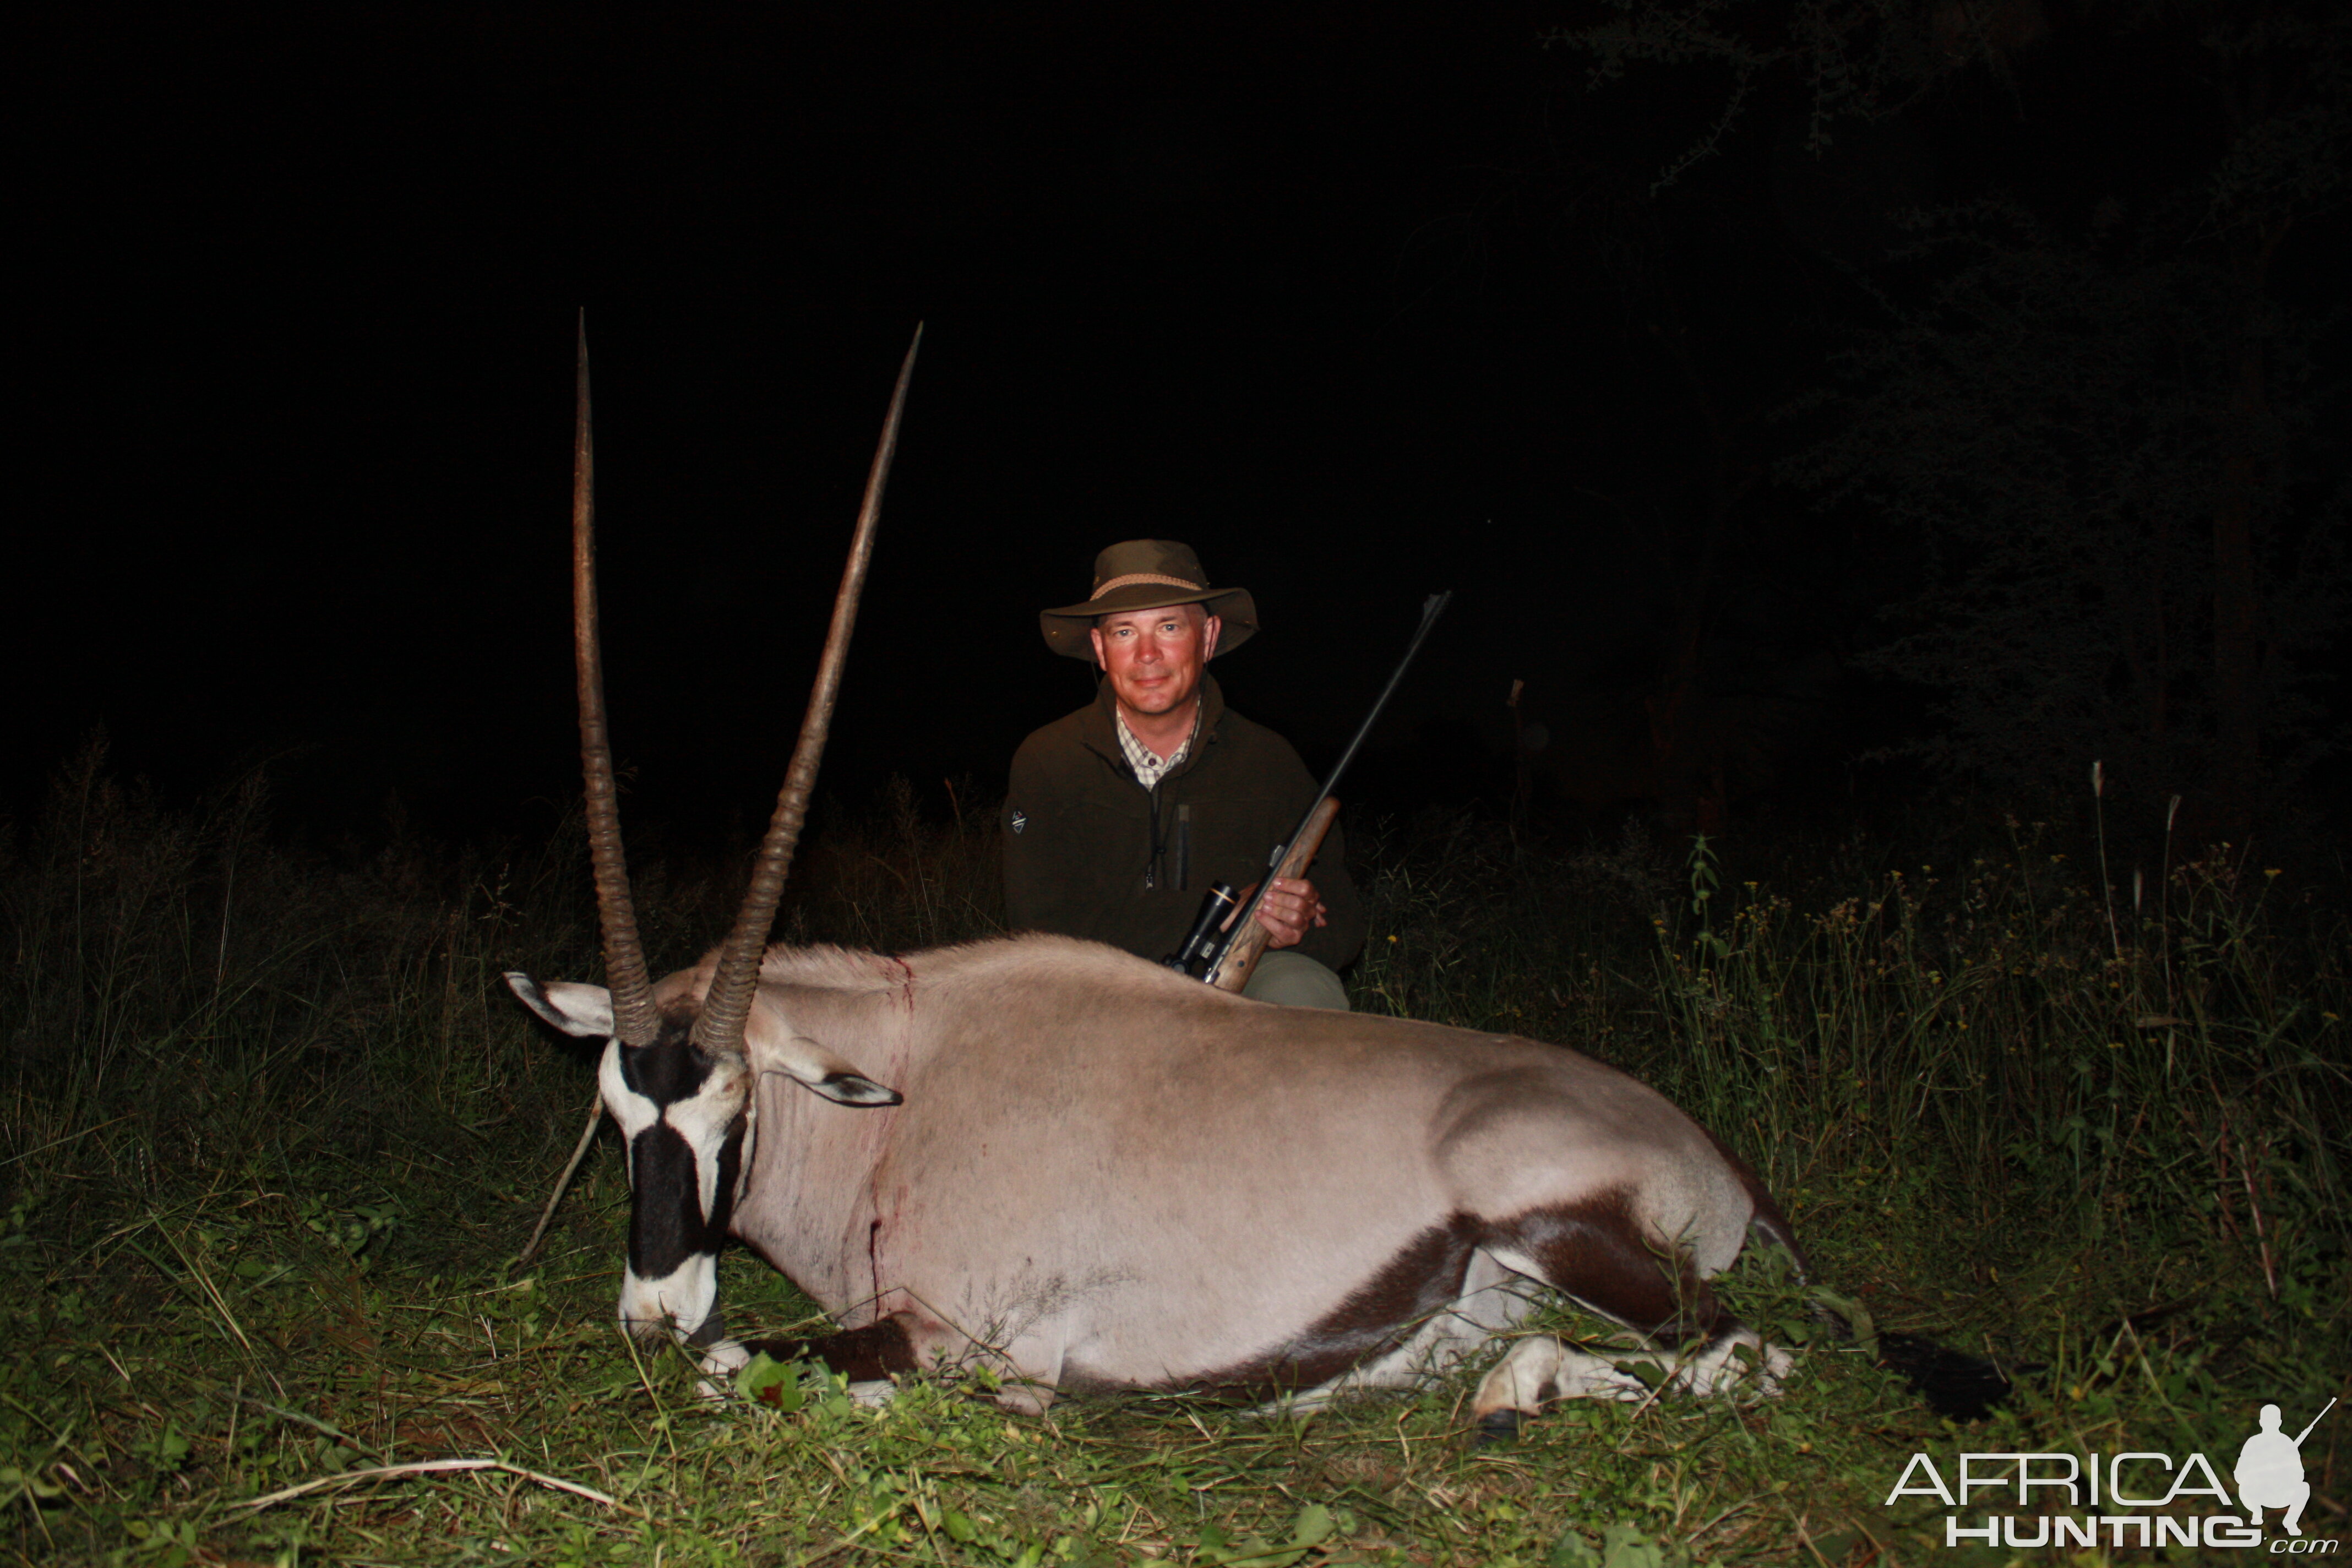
pixel 1290 979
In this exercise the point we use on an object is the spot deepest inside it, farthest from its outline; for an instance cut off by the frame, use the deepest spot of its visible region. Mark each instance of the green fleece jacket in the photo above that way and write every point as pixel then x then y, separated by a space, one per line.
pixel 1088 852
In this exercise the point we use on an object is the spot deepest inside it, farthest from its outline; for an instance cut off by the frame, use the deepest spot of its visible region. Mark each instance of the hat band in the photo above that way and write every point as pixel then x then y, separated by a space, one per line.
pixel 1132 578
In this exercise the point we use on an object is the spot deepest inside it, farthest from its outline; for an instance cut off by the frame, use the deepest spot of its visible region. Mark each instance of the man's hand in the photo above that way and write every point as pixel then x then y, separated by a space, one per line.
pixel 1290 907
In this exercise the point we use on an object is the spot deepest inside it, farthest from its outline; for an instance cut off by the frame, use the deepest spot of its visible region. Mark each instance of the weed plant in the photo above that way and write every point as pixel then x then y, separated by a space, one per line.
pixel 274 1135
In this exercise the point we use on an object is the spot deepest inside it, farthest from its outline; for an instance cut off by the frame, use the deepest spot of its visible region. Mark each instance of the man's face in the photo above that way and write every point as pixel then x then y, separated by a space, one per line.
pixel 1154 657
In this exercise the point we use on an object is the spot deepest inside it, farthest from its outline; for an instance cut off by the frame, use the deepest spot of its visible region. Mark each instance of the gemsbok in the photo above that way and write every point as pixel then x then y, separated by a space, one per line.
pixel 1084 1171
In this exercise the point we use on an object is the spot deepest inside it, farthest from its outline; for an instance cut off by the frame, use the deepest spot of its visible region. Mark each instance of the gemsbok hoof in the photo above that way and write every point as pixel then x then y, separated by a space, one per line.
pixel 1497 1428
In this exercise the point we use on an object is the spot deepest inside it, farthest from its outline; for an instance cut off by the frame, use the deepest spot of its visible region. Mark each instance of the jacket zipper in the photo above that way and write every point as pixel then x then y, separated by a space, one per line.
pixel 1154 867
pixel 1151 867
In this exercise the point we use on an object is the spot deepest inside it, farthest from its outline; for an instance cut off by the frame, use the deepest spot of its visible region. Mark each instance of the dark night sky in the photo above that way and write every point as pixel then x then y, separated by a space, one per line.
pixel 1325 289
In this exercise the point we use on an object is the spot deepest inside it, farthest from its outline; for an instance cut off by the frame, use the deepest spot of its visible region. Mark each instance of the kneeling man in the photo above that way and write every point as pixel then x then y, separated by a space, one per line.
pixel 1121 815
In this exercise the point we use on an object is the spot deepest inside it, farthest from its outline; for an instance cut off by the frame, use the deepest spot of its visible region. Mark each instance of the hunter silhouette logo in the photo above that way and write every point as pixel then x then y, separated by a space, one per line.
pixel 2087 1500
pixel 2270 1471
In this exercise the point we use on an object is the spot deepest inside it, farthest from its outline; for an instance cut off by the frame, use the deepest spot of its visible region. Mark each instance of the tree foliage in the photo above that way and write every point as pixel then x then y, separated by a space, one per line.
pixel 2055 428
pixel 2088 405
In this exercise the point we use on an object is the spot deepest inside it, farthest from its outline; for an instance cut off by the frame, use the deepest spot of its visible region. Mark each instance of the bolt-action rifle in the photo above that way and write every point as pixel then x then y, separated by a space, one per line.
pixel 1225 941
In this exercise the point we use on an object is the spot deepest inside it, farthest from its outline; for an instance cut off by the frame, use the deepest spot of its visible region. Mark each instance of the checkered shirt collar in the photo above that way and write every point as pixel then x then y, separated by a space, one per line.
pixel 1148 766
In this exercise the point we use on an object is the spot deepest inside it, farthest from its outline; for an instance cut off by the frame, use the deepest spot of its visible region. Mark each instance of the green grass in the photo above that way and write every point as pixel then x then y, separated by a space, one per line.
pixel 271 1136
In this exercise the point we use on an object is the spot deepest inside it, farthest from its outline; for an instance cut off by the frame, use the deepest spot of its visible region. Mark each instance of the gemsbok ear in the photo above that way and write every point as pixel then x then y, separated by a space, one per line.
pixel 849 1089
pixel 583 1012
pixel 809 1064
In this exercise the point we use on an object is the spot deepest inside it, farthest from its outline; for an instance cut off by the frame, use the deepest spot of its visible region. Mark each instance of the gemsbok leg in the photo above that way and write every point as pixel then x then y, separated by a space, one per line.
pixel 1596 1252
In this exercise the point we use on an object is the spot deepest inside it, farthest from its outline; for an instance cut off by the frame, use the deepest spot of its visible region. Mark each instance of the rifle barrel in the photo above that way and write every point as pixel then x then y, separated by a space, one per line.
pixel 1431 608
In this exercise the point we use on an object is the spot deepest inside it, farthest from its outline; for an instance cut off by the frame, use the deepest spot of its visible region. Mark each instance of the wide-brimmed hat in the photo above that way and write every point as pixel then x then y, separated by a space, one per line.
pixel 1147 575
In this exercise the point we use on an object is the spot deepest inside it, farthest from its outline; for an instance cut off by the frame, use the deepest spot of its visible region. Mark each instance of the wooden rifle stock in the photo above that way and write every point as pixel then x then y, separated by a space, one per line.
pixel 1234 970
